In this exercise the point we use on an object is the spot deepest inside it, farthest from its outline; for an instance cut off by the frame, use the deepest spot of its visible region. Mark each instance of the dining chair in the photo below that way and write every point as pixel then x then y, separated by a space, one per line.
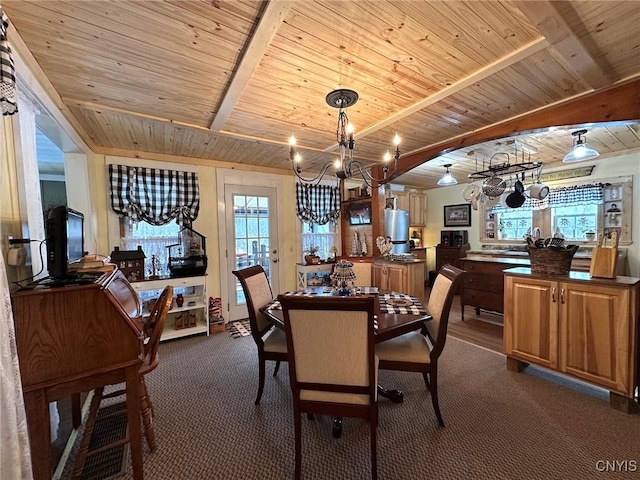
pixel 332 366
pixel 419 351
pixel 270 341
pixel 152 331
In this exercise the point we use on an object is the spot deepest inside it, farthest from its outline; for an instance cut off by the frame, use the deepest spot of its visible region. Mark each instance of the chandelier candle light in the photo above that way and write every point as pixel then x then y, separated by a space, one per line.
pixel 344 166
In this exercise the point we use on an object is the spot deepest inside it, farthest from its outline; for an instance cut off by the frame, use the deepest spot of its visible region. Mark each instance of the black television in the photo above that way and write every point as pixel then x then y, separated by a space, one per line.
pixel 65 239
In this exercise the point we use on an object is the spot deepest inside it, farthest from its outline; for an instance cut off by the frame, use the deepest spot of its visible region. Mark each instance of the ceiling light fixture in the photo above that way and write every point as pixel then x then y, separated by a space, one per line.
pixel 580 151
pixel 344 167
pixel 447 179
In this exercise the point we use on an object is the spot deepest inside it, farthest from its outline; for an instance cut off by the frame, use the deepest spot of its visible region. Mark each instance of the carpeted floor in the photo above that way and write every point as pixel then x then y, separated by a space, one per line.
pixel 500 425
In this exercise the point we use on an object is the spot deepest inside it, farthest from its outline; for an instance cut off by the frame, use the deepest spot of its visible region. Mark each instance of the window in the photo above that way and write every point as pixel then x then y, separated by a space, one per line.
pixel 322 236
pixel 154 240
pixel 573 222
pixel 514 223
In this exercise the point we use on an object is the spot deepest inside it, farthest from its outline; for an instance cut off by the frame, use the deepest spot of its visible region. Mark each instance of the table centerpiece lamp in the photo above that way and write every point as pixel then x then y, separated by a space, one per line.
pixel 342 275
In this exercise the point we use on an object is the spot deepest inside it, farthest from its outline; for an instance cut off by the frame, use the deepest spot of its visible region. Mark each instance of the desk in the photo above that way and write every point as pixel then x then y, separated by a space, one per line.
pixel 72 339
pixel 390 325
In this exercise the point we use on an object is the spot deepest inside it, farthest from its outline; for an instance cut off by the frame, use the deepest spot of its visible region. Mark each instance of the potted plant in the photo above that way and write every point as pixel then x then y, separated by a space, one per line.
pixel 312 258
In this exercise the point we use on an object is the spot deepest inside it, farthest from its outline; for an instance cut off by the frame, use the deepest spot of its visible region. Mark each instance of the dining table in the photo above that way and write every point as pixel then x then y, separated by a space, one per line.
pixel 395 314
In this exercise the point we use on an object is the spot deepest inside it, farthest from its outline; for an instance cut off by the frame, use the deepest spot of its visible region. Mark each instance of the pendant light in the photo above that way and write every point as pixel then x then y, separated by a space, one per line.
pixel 580 151
pixel 447 179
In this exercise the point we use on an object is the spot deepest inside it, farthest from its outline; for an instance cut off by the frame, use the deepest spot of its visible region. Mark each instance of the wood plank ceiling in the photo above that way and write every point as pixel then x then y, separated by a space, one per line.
pixel 230 81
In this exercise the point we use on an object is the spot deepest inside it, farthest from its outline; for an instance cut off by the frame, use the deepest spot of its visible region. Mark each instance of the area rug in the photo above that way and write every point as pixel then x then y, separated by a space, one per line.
pixel 240 328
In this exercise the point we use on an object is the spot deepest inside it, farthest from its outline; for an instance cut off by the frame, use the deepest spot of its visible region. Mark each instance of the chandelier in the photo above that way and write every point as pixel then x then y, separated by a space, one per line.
pixel 344 166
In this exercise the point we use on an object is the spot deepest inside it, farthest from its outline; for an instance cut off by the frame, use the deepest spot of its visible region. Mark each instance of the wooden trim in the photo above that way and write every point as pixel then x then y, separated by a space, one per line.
pixel 544 16
pixel 272 16
pixel 618 104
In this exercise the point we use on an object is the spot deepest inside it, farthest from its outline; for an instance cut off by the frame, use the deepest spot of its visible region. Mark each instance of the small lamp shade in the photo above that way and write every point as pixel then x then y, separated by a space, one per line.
pixel 447 178
pixel 580 151
pixel 343 274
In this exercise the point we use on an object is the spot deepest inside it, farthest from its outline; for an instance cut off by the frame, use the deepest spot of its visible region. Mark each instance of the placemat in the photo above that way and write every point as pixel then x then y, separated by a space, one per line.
pixel 401 303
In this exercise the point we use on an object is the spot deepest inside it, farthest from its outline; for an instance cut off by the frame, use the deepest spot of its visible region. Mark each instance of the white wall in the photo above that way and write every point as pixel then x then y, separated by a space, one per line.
pixel 627 165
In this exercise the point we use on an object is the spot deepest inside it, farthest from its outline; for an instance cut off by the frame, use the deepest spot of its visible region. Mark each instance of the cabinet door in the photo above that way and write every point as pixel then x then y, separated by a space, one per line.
pixel 531 320
pixel 595 335
pixel 417 208
pixel 397 278
pixel 402 200
pixel 377 273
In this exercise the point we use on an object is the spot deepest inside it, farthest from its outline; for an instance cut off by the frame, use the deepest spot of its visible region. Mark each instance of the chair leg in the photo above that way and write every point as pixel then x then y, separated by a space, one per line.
pixel 277 367
pixel 144 386
pixel 261 368
pixel 298 446
pixel 374 451
pixel 425 375
pixel 434 396
pixel 149 431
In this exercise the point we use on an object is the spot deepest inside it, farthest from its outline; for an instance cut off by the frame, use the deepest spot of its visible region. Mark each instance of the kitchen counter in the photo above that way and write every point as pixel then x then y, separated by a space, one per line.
pixel 388 260
pixel 581 260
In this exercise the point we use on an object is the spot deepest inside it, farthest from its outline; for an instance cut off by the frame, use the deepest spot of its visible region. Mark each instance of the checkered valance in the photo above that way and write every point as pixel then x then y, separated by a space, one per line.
pixel 317 204
pixel 154 195
pixel 564 197
pixel 7 71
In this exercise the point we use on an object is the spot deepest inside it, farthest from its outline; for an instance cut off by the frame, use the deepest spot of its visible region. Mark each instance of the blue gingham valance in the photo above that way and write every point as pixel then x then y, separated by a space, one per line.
pixel 317 204
pixel 154 195
pixel 7 70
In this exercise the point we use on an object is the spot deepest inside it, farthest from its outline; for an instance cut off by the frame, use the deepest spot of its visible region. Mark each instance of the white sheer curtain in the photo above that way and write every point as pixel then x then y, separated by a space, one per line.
pixel 29 179
pixel 15 460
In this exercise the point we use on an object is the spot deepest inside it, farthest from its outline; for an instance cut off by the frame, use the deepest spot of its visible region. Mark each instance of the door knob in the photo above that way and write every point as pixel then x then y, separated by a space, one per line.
pixel 275 260
pixel 275 251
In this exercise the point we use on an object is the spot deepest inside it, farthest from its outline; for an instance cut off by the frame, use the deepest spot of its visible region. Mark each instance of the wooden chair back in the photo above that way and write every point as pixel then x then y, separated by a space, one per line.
pixel 330 341
pixel 440 299
pixel 257 292
pixel 154 325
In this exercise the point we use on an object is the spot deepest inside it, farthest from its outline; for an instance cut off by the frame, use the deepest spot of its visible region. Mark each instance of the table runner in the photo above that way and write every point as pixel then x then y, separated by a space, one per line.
pixel 415 308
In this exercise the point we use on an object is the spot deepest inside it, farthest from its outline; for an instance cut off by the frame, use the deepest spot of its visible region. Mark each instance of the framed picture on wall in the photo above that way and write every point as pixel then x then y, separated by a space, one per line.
pixel 457 215
pixel 359 213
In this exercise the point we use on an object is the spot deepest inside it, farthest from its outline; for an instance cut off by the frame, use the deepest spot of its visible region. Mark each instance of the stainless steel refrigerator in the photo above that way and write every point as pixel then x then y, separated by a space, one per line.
pixel 396 226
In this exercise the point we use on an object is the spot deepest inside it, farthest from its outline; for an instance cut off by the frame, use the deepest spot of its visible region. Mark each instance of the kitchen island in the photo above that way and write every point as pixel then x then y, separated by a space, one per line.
pixel 405 276
pixel 580 326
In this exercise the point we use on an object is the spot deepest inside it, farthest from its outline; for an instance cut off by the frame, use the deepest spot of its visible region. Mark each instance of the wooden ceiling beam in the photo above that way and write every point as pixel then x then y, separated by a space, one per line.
pixel 544 16
pixel 617 104
pixel 272 17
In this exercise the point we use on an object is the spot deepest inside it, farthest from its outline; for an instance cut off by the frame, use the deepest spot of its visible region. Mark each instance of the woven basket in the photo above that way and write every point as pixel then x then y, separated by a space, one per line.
pixel 551 261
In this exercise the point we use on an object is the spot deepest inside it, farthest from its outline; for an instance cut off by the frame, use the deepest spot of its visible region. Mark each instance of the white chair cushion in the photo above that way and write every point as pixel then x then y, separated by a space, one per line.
pixel 275 341
pixel 411 347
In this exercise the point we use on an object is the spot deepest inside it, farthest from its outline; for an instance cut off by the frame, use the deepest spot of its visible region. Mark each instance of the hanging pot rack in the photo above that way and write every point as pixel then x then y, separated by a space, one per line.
pixel 506 168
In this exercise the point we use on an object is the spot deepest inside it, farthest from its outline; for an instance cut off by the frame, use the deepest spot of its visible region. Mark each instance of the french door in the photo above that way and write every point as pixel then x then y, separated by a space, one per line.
pixel 252 239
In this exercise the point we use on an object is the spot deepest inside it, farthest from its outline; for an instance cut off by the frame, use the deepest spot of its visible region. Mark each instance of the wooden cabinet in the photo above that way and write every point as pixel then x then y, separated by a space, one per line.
pixel 451 255
pixel 404 277
pixel 483 285
pixel 583 327
pixel 415 204
pixel 417 209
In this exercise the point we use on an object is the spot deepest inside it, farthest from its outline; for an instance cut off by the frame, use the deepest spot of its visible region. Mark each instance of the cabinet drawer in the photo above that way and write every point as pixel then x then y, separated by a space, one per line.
pixel 483 299
pixel 486 283
pixel 487 268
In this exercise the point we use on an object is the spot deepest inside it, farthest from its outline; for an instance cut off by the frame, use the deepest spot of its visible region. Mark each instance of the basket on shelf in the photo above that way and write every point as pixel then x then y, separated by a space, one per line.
pixel 551 260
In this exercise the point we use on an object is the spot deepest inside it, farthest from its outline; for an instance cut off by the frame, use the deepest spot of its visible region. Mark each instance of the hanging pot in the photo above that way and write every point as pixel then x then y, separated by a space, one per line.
pixel 515 199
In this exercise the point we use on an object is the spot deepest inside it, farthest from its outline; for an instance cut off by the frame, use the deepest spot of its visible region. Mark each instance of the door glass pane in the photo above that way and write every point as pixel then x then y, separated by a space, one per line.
pixel 251 220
